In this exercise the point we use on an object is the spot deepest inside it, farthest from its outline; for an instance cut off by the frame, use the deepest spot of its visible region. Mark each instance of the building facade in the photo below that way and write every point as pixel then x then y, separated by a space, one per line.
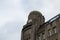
pixel 37 29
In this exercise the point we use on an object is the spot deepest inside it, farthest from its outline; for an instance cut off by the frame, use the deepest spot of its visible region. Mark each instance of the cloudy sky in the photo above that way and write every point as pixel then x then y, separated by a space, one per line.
pixel 14 14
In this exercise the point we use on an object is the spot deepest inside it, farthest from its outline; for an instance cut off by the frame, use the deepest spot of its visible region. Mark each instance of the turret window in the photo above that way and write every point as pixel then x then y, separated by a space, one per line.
pixel 29 20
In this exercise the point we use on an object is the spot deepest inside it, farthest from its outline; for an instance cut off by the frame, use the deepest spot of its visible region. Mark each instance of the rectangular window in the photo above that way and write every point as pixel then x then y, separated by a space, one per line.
pixel 49 32
pixel 43 36
pixel 39 37
pixel 54 29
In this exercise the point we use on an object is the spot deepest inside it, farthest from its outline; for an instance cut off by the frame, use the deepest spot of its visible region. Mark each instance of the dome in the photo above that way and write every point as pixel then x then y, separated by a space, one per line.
pixel 35 13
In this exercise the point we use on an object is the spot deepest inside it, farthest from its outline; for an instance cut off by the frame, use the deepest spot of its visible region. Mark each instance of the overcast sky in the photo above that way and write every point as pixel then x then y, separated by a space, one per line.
pixel 14 14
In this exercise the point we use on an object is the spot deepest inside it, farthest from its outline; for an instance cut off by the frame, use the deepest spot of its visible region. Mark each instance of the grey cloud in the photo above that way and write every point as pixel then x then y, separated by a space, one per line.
pixel 13 15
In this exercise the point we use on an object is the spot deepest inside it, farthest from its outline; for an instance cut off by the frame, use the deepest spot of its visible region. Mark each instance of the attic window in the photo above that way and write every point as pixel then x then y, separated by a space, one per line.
pixel 29 20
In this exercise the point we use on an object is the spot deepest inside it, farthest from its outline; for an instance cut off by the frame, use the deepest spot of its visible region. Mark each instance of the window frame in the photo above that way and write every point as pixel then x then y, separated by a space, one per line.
pixel 54 30
pixel 49 32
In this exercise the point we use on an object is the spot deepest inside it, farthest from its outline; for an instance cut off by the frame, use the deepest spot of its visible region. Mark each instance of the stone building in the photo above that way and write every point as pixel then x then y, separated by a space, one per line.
pixel 37 29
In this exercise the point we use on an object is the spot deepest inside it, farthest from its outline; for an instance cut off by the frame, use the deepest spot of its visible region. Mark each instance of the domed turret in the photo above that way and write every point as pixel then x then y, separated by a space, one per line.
pixel 35 17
